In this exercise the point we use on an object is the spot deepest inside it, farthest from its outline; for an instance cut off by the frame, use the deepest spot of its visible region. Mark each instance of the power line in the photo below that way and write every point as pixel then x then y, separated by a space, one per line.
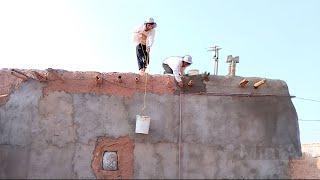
pixel 308 119
pixel 307 99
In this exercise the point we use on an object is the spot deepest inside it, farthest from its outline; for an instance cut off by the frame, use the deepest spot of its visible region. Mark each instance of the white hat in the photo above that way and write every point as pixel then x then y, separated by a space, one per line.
pixel 187 58
pixel 150 21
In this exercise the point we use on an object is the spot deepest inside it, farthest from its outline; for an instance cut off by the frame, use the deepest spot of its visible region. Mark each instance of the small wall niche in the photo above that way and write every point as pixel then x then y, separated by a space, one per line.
pixel 113 158
pixel 110 161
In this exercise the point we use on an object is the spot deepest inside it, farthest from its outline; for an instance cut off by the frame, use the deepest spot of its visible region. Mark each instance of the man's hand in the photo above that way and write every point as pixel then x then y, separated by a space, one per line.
pixel 148 49
pixel 180 84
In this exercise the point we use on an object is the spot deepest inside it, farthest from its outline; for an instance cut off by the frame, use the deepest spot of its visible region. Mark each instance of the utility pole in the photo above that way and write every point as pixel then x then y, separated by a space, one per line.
pixel 215 49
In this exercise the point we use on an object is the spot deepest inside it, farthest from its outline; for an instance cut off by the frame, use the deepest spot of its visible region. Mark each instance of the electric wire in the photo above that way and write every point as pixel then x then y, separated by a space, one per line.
pixel 208 94
pixel 315 120
pixel 215 93
pixel 306 99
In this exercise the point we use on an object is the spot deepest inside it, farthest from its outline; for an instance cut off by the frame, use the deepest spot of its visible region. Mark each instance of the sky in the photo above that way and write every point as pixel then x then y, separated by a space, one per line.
pixel 275 39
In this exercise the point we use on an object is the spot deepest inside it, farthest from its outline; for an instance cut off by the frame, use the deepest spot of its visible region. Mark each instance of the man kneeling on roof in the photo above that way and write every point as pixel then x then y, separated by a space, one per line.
pixel 176 65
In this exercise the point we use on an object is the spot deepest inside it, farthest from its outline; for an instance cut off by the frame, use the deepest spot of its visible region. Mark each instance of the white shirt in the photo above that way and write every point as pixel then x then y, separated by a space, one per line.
pixel 175 63
pixel 144 37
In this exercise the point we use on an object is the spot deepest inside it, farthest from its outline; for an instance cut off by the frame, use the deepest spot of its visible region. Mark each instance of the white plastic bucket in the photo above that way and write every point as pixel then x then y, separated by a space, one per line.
pixel 142 124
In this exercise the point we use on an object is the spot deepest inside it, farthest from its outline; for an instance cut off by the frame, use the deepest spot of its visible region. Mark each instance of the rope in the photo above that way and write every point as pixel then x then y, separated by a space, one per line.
pixel 145 82
pixel 145 94
pixel 180 132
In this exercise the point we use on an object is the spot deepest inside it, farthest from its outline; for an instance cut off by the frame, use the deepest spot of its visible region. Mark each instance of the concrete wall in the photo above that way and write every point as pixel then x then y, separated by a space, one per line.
pixel 308 166
pixel 224 135
pixel 312 149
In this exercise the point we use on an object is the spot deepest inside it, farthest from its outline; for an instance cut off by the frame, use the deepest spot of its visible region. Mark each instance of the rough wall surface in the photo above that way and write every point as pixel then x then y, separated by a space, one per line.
pixel 308 166
pixel 49 129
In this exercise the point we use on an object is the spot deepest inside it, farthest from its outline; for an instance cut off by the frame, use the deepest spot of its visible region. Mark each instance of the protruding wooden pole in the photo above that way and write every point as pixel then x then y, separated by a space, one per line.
pixel 243 83
pixel 40 77
pixel 3 95
pixel 259 83
pixel 99 80
pixel 19 74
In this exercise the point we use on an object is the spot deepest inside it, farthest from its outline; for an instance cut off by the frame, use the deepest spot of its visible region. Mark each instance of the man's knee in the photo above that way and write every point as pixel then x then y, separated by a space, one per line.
pixel 167 69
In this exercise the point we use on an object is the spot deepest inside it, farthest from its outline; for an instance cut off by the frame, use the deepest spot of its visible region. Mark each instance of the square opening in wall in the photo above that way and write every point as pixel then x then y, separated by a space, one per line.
pixel 110 161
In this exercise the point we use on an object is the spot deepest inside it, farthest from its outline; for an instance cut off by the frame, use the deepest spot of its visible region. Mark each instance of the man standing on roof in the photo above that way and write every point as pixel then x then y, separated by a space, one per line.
pixel 176 65
pixel 144 37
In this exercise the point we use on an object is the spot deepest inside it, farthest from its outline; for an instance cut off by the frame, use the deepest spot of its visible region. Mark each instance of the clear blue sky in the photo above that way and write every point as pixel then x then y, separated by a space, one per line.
pixel 276 39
